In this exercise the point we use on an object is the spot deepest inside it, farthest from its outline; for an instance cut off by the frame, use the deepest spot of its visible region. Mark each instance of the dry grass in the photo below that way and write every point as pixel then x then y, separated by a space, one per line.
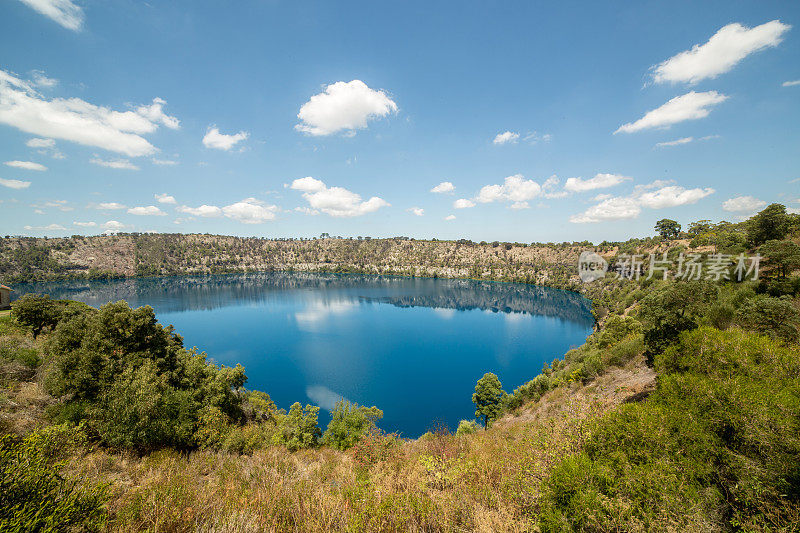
pixel 487 481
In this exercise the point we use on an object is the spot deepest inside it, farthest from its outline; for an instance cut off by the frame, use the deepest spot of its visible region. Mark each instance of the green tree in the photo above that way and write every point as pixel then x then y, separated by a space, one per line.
pixel 783 256
pixel 488 398
pixel 349 423
pixel 668 229
pixel 777 317
pixel 699 227
pixel 298 428
pixel 37 312
pixel 770 224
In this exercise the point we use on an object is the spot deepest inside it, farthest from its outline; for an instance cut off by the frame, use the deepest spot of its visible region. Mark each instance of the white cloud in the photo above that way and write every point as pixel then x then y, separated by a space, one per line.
pixel 673 196
pixel 85 224
pixel 463 203
pixel 207 211
pixel 601 197
pixel 792 83
pixel 120 164
pixel 599 181
pixel 27 165
pixel 549 188
pixel 61 205
pixel 617 208
pixel 656 195
pixel 164 162
pixel 41 80
pixel 155 114
pixel 535 137
pixel 335 201
pixel 221 141
pixel 450 217
pixel 40 143
pixel 723 51
pixel 417 211
pixel 515 189
pixel 15 184
pixel 444 187
pixel 343 106
pixel 64 12
pixel 50 227
pixel 250 211
pixel 165 198
pixel 743 204
pixel 690 106
pixel 519 205
pixel 506 137
pixel 149 210
pixel 113 226
pixel 676 142
pixel 106 206
pixel 76 120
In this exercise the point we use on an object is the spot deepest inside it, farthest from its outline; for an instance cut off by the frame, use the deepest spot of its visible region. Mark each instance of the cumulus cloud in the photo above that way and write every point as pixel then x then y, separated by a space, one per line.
pixel 15 184
pixel 599 181
pixel 206 211
pixel 40 143
pixel 64 12
pixel 444 187
pixel 221 141
pixel 792 83
pixel 26 165
pixel 746 204
pixel 113 226
pixel 120 164
pixel 250 211
pixel 165 198
pixel 335 201
pixel 149 210
pixel 85 224
pixel 41 80
pixel 657 195
pixel 514 189
pixel 343 107
pixel 155 114
pixel 76 120
pixel 506 137
pixel 450 217
pixel 673 196
pixel 723 51
pixel 463 203
pixel 108 206
pixel 50 227
pixel 417 211
pixel 690 106
pixel 617 208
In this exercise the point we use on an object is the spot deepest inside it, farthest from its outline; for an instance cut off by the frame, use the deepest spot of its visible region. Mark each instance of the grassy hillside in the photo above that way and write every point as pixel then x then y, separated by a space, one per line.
pixel 680 413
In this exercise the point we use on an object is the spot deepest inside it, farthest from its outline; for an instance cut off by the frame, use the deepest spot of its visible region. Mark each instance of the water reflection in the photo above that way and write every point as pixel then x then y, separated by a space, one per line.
pixel 332 294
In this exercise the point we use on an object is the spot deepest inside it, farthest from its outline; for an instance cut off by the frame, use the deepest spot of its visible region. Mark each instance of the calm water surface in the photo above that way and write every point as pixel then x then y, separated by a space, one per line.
pixel 412 347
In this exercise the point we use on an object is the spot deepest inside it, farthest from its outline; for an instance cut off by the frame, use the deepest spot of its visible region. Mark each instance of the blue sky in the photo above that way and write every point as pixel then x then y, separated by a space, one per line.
pixel 568 121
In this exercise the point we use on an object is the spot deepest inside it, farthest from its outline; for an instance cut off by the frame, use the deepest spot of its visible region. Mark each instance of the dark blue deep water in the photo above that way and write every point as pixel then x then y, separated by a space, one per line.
pixel 412 347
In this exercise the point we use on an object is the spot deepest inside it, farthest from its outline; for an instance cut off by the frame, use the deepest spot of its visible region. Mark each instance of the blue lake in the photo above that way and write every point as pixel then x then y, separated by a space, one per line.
pixel 413 347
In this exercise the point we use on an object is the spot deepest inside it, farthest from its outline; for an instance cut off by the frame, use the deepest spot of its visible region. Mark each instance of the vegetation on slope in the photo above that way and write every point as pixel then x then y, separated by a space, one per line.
pixel 113 398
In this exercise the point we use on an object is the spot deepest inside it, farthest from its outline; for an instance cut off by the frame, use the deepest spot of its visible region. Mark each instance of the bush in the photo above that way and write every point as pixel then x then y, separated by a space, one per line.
pixel 134 382
pixel 625 350
pixel 349 423
pixel 298 428
pixel 616 329
pixel 776 317
pixel 35 496
pixel 467 427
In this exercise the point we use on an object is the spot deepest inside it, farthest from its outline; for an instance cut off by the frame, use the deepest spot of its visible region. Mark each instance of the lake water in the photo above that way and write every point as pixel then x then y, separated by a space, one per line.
pixel 412 347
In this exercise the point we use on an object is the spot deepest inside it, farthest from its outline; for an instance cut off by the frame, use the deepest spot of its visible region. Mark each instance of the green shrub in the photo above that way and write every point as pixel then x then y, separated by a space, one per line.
pixel 776 317
pixel 298 428
pixel 467 427
pixel 20 350
pixel 349 424
pixel 616 329
pixel 625 350
pixel 35 496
